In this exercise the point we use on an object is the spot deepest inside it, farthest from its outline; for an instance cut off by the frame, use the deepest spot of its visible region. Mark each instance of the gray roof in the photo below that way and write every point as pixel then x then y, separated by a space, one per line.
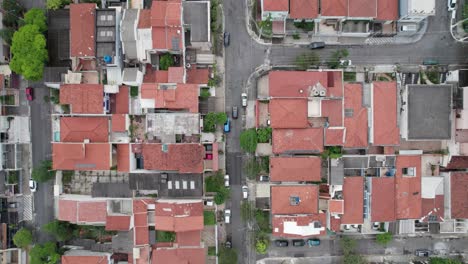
pixel 128 28
pixel 105 49
pixel 114 190
pixel 54 74
pixel 196 17
pixel 58 38
pixel 129 75
pixel 156 182
pixel 336 171
pixel 105 17
pixel 429 112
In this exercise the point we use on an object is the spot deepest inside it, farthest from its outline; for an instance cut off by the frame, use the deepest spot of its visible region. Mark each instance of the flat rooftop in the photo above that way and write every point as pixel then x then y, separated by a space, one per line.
pixel 168 184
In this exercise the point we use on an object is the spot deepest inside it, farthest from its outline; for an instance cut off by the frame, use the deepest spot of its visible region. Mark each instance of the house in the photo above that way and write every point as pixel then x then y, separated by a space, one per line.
pixel 295 169
pixel 84 98
pixel 81 156
pixel 76 256
pixel 298 141
pixel 385 130
pixel 355 120
pixel 170 96
pixel 197 24
pixel 83 30
pixel 166 26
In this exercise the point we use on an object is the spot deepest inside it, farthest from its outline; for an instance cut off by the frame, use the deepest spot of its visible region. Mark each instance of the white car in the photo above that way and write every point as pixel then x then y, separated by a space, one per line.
pixel 227 216
pixel 226 180
pixel 32 185
pixel 244 99
pixel 452 5
pixel 245 192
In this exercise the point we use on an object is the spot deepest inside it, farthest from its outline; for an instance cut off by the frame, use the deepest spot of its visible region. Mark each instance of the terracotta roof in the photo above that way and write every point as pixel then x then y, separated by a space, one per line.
pixel 275 5
pixel 362 8
pixel 140 218
pixel 295 83
pixel 198 76
pixel 185 96
pixel 383 199
pixel 294 169
pixel 334 136
pixel 278 27
pixel 123 157
pixel 77 129
pixel 141 235
pixel 335 224
pixel 433 207
pixel 164 38
pixel 79 156
pixel 122 100
pixel 386 131
pixel 166 24
pixel 303 9
pixel 306 140
pixel 144 255
pixel 179 216
pixel 334 8
pixel 356 124
pixel 144 21
pixel 281 196
pixel 353 196
pixel 188 239
pixel 459 195
pixel 288 113
pixel 75 211
pixel 335 84
pixel 278 222
pixel 67 210
pixel 2 81
pixel 408 189
pixel 183 158
pixel 187 255
pixel 119 123
pixel 333 109
pixel 82 30
pixel 175 75
pixel 85 259
pixel 457 162
pixel 336 206
pixel 118 222
pixel 83 98
pixel 387 10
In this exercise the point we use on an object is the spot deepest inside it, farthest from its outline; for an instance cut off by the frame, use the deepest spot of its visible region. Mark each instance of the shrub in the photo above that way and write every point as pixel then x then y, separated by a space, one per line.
pixel 23 238
pixel 296 36
pixel 44 254
pixel 261 245
pixel 133 91
pixel 384 239
pixel 221 196
pixel 165 61
pixel 165 236
pixel 212 119
pixel 67 176
pixel 252 168
pixel 264 134
pixel 248 140
pixel 211 251
pixel 227 256
pixel 205 93
pixel 43 173
pixel 209 218
pixel 215 182
pixel 56 4
pixel 62 231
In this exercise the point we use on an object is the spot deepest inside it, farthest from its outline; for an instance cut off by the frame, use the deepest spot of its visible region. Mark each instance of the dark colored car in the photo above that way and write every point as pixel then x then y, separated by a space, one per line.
pixel 29 94
pixel 227 39
pixel 264 178
pixel 281 243
pixel 228 243
pixel 235 113
pixel 317 45
pixel 298 243
pixel 422 253
pixel 313 242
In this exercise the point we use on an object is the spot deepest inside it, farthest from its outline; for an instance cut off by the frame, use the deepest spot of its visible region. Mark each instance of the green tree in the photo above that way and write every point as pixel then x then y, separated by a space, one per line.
pixel 212 119
pixel 338 55
pixel 62 231
pixel 221 196
pixel 44 254
pixel 384 239
pixel 23 238
pixel 350 257
pixel 248 140
pixel 307 60
pixel 56 4
pixel 29 52
pixel 166 61
pixel 12 13
pixel 227 256
pixel 36 16
pixel 264 134
pixel 43 173
pixel 261 245
pixel 444 261
pixel 7 34
pixel 252 168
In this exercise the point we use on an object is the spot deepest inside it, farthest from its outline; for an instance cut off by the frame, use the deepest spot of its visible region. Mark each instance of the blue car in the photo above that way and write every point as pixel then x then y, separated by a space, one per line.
pixel 227 126
pixel 313 242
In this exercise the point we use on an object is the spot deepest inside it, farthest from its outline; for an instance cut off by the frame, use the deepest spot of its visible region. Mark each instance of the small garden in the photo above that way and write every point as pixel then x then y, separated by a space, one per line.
pixel 213 119
pixel 251 137
pixel 266 27
pixel 305 25
pixel 209 218
pixel 215 184
pixel 165 236
pixel 257 165
pixel 349 76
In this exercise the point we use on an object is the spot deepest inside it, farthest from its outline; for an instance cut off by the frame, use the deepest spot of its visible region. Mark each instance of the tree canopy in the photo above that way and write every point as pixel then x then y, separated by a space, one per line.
pixel 227 256
pixel 62 231
pixel 384 239
pixel 23 238
pixel 12 12
pixel 44 254
pixel 36 16
pixel 56 4
pixel 307 60
pixel 43 173
pixel 248 140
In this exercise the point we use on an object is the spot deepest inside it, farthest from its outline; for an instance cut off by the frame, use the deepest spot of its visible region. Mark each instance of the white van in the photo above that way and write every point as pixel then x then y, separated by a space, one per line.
pixel 408 28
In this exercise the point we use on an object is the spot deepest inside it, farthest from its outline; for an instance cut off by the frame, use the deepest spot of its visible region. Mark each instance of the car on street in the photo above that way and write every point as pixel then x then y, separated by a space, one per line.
pixel 227 39
pixel 235 113
pixel 244 99
pixel 227 216
pixel 281 243
pixel 298 243
pixel 429 61
pixel 228 243
pixel 245 191
pixel 264 178
pixel 227 126
pixel 208 202
pixel 422 252
pixel 29 94
pixel 32 185
pixel 452 5
pixel 313 242
pixel 226 180
pixel 317 45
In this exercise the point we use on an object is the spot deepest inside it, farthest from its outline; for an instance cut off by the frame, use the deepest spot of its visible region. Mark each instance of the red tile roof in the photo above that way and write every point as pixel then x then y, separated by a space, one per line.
pixel 275 5
pixel 336 206
pixel 79 156
pixel 76 211
pixel 140 217
pixel 85 259
pixel 333 109
pixel 175 75
pixel 433 207
pixel 281 196
pixel 383 199
pixel 119 123
pixel 184 158
pixel 386 131
pixel 356 125
pixel 307 140
pixel 122 100
pixel 387 10
pixel 334 136
pixel 334 8
pixel 166 24
pixel 82 30
pixel 179 216
pixel 187 255
pixel 294 169
pixel 303 9
pixel 141 235
pixel 144 21
pixel 295 83
pixel 459 195
pixel 185 96
pixel 188 239
pixel 288 113
pixel 67 210
pixel 77 129
pixel 83 98
pixel 123 157
pixel 353 196
pixel 163 38
pixel 198 76
pixel 118 222
pixel 362 8
pixel 335 83
pixel 457 162
pixel 278 27
pixel 278 223
pixel 408 189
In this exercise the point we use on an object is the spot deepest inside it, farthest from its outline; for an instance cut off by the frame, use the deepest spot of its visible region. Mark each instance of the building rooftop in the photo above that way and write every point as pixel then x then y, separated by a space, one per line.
pixel 299 226
pixel 82 211
pixel 295 169
pixel 196 75
pixel 302 83
pixel 192 255
pixel 334 136
pixel 144 20
pixel 58 39
pixel 408 187
pixel 459 195
pixel 179 215
pixel 190 184
pixel 82 30
pixel 382 9
pixel 118 222
pixel 111 189
pixel 362 8
pixel 355 119
pixel 302 140
pixel 83 98
pixel 122 100
pixel 387 10
pixel 54 74
pixel 197 18
pixel 182 96
pixel 353 196
pixel 275 5
pixel 175 75
pixel 79 129
pixel 79 156
pixel 123 157
pixel 334 8
pixel 182 158
pixel 119 123
pixel 385 110
pixel 383 199
pixel 333 110
pixel 128 33
pixel 431 120
pixel 294 199
pixel 85 259
pixel 303 9
pixel 288 113
pixel 166 25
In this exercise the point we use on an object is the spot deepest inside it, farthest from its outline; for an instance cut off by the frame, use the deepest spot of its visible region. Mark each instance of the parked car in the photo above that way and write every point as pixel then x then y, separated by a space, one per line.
pixel 227 216
pixel 227 39
pixel 298 243
pixel 430 62
pixel 32 185
pixel 29 94
pixel 313 242
pixel 228 243
pixel 452 5
pixel 244 99
pixel 245 191
pixel 408 28
pixel 317 45
pixel 227 126
pixel 346 62
pixel 422 252
pixel 281 243
pixel 264 178
pixel 208 202
pixel 226 180
pixel 234 112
